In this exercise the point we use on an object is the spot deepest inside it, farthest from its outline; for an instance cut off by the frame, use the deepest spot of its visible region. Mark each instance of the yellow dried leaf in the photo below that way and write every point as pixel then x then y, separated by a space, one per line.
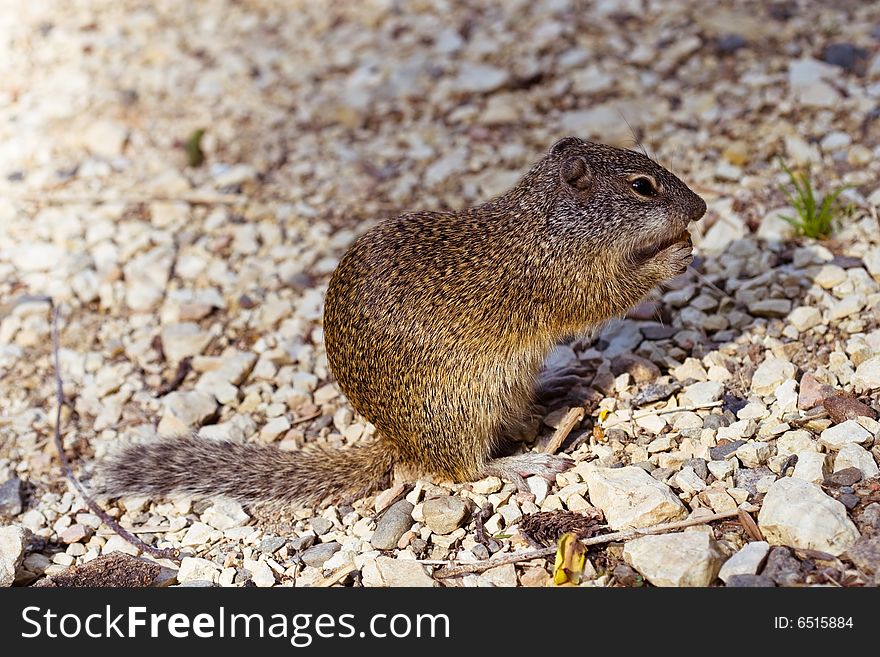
pixel 571 556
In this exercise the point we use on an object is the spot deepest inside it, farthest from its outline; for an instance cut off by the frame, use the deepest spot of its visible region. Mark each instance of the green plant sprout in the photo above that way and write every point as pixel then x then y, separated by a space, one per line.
pixel 813 219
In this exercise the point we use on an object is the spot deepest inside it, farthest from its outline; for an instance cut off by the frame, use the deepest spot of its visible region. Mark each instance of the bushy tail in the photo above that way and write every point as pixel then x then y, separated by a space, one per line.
pixel 249 473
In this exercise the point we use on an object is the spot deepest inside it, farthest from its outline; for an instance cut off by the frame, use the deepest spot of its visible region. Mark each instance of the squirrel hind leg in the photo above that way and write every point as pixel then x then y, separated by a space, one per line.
pixel 516 468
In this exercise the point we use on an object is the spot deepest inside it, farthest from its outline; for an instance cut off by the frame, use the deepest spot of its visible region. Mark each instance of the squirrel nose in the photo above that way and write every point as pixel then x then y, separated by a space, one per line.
pixel 699 208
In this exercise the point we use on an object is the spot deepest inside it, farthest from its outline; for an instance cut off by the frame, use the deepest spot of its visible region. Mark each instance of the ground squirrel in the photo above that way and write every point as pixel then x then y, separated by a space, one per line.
pixel 436 325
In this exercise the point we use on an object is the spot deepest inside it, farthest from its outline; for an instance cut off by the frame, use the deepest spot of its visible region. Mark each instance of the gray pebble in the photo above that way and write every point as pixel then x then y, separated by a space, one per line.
pixel 393 524
pixel 10 497
pixel 750 581
pixel 317 554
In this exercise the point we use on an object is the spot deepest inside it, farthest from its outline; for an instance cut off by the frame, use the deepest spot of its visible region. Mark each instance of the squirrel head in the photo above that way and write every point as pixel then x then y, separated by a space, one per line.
pixel 610 199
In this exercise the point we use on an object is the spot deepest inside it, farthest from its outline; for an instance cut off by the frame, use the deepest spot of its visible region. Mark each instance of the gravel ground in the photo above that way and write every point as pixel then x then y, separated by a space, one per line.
pixel 751 380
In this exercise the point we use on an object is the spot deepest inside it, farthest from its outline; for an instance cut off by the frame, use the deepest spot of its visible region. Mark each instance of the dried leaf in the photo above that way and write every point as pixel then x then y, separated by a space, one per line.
pixel 749 525
pixel 571 556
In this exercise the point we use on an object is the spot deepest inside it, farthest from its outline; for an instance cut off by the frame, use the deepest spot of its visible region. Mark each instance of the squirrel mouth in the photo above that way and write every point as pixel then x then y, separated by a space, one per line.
pixel 654 249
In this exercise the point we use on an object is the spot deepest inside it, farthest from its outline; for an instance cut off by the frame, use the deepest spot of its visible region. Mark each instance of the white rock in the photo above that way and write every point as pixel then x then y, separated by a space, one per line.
pixel 225 514
pixel 385 571
pixel 774 227
pixel 190 408
pixel 850 431
pixel 197 534
pixel 274 428
pixel 745 562
pixel 829 275
pixel 722 469
pixel 146 276
pixel 798 514
pixel 539 487
pixel 867 376
pixel 105 138
pixel 195 569
pixel 803 318
pixel 771 374
pixel 794 442
pixel 688 480
pixel 849 305
pixel 811 466
pixel 704 392
pixel 487 486
pixel 754 453
pixel 261 573
pixel 680 559
pixel 480 78
pixel 806 79
pixel 852 455
pixel 728 229
pixel 872 261
pixel 13 542
pixel 182 340
pixel 630 498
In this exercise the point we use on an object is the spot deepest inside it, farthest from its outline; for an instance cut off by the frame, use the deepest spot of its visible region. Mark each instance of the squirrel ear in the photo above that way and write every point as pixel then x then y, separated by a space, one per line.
pixel 576 172
pixel 564 143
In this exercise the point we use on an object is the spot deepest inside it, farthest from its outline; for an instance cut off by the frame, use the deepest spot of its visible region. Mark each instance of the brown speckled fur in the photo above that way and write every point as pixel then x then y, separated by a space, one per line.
pixel 436 324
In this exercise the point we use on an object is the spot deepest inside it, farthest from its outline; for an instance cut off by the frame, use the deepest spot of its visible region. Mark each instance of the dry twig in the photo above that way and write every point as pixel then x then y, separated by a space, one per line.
pixel 451 568
pixel 568 422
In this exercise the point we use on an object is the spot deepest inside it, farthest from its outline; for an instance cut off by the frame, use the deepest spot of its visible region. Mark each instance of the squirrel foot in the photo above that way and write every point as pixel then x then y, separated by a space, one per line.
pixel 516 468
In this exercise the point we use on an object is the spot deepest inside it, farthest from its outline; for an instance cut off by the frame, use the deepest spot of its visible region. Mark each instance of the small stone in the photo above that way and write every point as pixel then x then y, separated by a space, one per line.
pixel 631 498
pixel 261 574
pixel 721 469
pixel 770 308
pixel 182 340
pixel 487 486
pixel 754 454
pixel 847 56
pixel 865 554
pixel 445 514
pixel 679 559
pixel 274 428
pixel 811 466
pixel 321 525
pixel 385 571
pixel 798 514
pixel 105 138
pixel 782 568
pixel 190 409
pixel 702 393
pixel 197 534
pixel 747 561
pixel 539 487
pixel 393 524
pixel 721 452
pixel 196 569
pixel 13 542
pixel 812 392
pixel 316 555
pixel 843 407
pixel 846 307
pixel 774 228
pixel 750 581
pixel 770 375
pixel 803 318
pixel 74 534
pixel 504 576
pixel 829 275
pixel 867 376
pixel 837 436
pixel 10 498
pixel 640 369
pixel 225 514
pixel 845 477
pixel 852 455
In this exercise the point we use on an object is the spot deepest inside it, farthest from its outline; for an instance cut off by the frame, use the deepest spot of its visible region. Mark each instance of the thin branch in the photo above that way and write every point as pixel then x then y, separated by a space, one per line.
pixel 663 411
pixel 451 568
pixel 160 553
pixel 568 422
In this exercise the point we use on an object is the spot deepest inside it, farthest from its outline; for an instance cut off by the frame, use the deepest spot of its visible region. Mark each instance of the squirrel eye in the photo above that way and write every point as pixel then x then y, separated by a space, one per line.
pixel 644 186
